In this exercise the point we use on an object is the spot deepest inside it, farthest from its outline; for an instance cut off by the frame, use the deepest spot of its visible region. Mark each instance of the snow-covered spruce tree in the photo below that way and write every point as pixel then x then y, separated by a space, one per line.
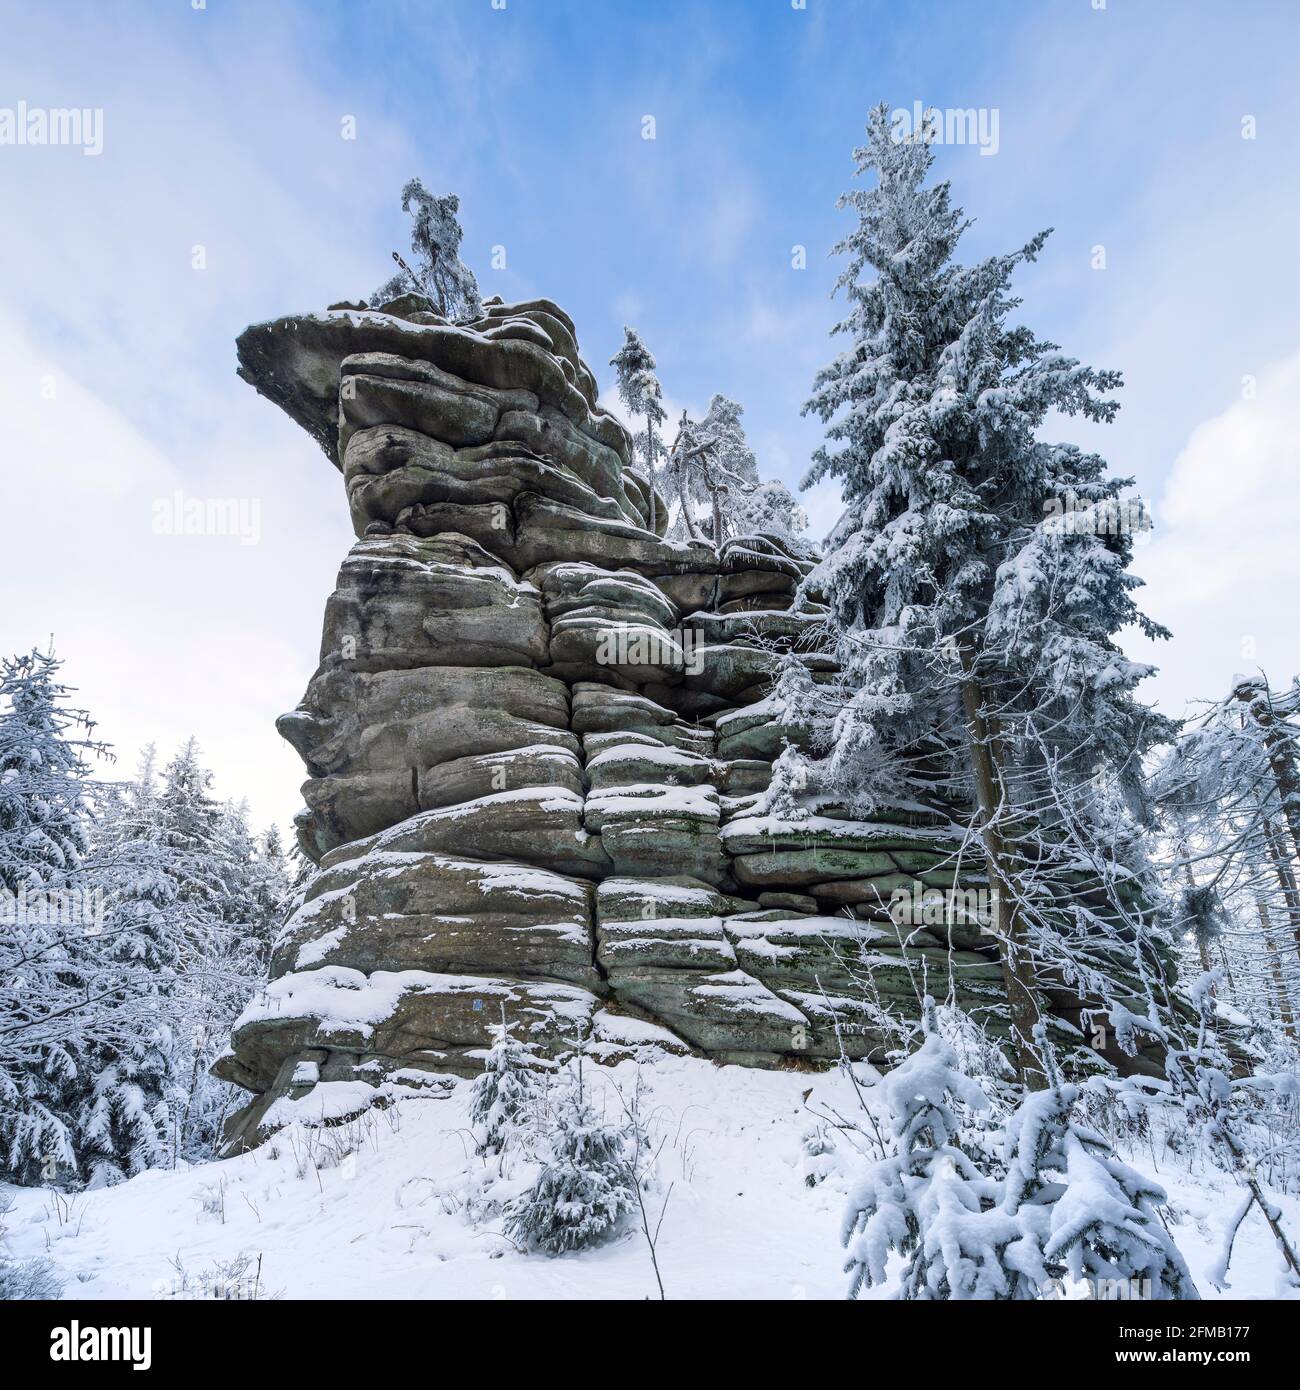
pixel 1060 1204
pixel 269 887
pixel 506 1095
pixel 256 887
pixel 57 987
pixel 730 470
pixel 194 902
pixel 936 1199
pixel 640 392
pixel 693 478
pixel 231 964
pixel 43 773
pixel 438 273
pixel 173 848
pixel 772 509
pixel 710 465
pixel 1082 1213
pixel 683 477
pixel 125 1122
pixel 584 1188
pixel 223 915
pixel 976 581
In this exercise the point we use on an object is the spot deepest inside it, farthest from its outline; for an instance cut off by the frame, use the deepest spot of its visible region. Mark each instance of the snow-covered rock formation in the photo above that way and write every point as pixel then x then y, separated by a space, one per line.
pixel 537 744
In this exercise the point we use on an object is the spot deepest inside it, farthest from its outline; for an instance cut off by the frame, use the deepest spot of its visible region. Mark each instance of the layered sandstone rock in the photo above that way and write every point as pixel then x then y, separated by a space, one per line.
pixel 537 744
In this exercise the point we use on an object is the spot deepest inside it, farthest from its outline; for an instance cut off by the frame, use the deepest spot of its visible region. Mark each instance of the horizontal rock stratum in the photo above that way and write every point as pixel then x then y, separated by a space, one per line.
pixel 538 743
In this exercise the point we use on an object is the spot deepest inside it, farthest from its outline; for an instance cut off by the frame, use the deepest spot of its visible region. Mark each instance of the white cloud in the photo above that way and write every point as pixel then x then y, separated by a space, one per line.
pixel 1223 567
pixel 164 635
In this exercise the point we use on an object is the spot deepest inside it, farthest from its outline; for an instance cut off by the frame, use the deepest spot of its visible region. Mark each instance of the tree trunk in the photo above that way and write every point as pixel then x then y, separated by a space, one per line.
pixel 1275 968
pixel 686 513
pixel 717 517
pixel 650 470
pixel 1227 970
pixel 1281 754
pixel 1017 970
pixel 1285 877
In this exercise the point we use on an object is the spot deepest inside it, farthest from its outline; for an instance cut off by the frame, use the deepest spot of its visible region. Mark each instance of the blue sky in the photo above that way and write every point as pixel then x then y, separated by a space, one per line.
pixel 1120 127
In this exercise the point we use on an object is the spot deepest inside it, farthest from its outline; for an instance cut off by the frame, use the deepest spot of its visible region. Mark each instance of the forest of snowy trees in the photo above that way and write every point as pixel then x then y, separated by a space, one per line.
pixel 709 474
pixel 135 920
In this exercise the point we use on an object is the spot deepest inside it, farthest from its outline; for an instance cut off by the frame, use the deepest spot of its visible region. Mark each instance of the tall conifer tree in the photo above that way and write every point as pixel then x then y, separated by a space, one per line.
pixel 977 577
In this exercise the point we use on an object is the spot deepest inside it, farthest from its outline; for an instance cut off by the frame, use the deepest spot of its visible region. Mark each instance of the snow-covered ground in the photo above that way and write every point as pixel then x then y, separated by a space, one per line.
pixel 388 1220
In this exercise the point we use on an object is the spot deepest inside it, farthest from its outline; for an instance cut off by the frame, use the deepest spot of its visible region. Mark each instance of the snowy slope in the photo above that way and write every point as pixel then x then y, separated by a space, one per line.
pixel 388 1220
